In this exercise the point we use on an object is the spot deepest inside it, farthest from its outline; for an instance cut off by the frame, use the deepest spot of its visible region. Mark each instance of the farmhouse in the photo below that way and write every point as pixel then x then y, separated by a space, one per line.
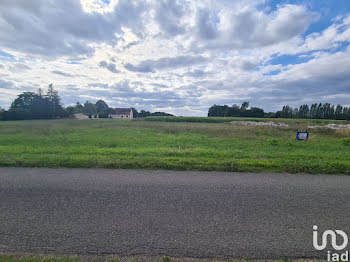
pixel 121 113
pixel 114 113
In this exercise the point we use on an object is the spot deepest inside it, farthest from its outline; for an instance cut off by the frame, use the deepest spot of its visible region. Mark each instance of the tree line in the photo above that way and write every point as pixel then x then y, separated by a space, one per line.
pixel 39 105
pixel 235 111
pixel 315 111
pixel 48 105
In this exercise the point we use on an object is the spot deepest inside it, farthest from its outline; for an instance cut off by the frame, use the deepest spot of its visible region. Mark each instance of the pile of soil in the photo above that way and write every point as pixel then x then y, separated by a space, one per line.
pixel 331 126
pixel 255 123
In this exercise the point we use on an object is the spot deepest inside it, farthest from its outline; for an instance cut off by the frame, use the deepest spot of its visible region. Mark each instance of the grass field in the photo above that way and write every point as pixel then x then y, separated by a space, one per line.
pixel 186 145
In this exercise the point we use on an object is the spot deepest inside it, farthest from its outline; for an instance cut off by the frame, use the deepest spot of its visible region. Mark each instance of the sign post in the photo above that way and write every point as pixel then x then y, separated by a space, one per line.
pixel 302 135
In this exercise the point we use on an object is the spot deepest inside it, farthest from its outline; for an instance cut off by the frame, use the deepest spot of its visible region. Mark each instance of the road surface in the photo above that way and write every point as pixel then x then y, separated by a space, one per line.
pixel 181 214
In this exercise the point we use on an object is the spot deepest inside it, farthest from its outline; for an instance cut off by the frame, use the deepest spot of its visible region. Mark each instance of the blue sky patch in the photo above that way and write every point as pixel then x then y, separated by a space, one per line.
pixel 72 62
pixel 6 56
pixel 326 9
pixel 290 59
pixel 272 73
pixel 341 48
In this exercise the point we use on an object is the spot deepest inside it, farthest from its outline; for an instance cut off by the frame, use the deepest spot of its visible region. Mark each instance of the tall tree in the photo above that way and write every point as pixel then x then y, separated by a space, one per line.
pixel 234 110
pixel 54 102
pixel 144 113
pixel 245 105
pixel 313 110
pixel 287 112
pixel 303 111
pixel 2 114
pixel 29 105
pixel 78 108
pixel 319 111
pixel 135 113
pixel 102 109
pixel 295 112
pixel 89 109
pixel 339 112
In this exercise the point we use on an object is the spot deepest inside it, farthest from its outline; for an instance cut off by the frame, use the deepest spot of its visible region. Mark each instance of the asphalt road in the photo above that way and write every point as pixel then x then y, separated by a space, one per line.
pixel 181 214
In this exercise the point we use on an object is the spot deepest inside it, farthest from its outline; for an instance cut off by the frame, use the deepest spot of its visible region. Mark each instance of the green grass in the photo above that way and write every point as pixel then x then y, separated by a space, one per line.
pixel 173 145
pixel 230 119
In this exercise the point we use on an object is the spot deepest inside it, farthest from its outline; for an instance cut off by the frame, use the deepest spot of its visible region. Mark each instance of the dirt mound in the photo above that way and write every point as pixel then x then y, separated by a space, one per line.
pixel 255 123
pixel 331 126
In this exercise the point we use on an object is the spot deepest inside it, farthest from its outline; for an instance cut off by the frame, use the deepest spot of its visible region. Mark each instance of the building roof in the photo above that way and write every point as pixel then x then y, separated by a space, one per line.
pixel 122 111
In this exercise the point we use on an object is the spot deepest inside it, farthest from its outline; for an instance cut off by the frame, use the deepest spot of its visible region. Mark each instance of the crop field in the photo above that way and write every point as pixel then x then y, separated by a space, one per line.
pixel 177 145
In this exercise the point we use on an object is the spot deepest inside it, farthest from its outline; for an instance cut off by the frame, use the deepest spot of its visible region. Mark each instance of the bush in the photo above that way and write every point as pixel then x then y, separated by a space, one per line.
pixel 166 259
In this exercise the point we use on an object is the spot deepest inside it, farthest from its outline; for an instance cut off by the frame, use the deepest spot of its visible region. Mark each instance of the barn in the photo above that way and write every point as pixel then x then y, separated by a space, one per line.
pixel 121 113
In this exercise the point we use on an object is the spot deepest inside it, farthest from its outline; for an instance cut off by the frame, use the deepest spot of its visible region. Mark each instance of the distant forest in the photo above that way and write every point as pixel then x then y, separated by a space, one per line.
pixel 47 105
pixel 315 111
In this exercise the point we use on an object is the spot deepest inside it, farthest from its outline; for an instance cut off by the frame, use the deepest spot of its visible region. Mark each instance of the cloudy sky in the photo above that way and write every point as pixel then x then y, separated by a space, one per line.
pixel 178 56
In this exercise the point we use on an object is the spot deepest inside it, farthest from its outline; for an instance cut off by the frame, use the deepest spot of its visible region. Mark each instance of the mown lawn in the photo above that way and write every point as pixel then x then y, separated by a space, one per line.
pixel 173 145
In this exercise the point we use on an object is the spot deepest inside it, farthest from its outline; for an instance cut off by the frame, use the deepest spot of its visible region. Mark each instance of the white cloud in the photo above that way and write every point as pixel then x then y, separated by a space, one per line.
pixel 182 56
pixel 62 28
pixel 247 27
